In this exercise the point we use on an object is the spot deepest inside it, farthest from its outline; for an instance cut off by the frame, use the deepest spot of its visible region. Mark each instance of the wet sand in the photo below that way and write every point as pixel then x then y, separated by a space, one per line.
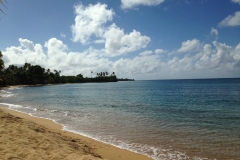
pixel 25 137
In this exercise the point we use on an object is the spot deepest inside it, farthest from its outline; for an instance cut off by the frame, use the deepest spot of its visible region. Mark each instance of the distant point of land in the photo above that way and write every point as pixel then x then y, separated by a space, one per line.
pixel 126 79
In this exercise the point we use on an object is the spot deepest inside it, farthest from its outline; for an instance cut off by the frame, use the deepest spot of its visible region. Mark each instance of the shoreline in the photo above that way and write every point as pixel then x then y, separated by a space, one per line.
pixel 86 148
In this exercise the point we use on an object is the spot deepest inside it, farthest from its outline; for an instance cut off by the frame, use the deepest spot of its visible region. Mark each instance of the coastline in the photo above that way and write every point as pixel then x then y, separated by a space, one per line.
pixel 28 137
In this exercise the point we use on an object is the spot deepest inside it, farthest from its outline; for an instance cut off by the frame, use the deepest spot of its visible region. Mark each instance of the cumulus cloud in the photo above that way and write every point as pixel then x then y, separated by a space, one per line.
pixel 222 58
pixel 85 62
pixel 160 51
pixel 236 1
pixel 27 44
pixel 90 21
pixel 190 46
pixel 217 60
pixel 133 3
pixel 54 46
pixel 119 43
pixel 146 53
pixel 56 52
pixel 178 65
pixel 231 21
pixel 26 52
pixel 138 65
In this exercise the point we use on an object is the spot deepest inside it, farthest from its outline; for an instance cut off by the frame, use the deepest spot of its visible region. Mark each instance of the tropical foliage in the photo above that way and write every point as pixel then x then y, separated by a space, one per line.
pixel 34 74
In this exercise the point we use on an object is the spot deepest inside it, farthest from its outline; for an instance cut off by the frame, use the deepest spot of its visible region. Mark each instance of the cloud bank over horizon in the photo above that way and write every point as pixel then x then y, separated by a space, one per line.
pixel 210 60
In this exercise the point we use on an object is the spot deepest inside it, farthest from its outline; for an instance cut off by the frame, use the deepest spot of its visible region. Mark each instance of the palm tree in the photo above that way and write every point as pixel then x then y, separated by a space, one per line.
pixel 1 67
pixel 26 66
pixel 1 61
pixel 48 71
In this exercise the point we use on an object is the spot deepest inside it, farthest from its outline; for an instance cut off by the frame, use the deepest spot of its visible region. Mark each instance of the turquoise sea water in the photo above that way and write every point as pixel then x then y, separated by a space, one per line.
pixel 164 119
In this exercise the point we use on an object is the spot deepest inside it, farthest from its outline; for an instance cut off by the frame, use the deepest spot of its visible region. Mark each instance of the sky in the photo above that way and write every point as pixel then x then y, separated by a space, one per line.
pixel 140 39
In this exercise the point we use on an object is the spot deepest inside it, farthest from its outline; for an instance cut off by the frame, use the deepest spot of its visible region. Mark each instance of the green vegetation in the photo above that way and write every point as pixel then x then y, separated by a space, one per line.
pixel 126 79
pixel 1 67
pixel 34 74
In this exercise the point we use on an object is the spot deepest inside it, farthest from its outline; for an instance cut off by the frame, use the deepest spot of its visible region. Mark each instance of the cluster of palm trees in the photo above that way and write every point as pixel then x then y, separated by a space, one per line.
pixel 35 74
pixel 28 74
pixel 103 74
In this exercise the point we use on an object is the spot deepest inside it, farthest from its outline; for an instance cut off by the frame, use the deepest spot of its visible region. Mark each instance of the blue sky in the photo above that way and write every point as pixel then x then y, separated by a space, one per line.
pixel 141 39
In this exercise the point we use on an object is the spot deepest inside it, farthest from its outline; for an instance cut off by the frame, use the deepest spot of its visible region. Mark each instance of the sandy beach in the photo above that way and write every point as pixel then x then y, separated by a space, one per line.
pixel 25 137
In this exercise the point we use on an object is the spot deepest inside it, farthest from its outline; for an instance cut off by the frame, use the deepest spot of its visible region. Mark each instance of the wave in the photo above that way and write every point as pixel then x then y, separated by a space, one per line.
pixel 6 93
pixel 156 153
pixel 11 106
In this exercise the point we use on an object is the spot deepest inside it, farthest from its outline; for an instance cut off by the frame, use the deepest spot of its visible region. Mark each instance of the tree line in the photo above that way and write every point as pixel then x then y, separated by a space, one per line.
pixel 34 74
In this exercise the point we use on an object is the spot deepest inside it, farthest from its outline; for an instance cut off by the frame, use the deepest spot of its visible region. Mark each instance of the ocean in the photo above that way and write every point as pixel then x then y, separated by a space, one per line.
pixel 163 119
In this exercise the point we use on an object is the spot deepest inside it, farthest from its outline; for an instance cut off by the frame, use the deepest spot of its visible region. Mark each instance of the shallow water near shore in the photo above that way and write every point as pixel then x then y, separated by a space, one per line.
pixel 164 119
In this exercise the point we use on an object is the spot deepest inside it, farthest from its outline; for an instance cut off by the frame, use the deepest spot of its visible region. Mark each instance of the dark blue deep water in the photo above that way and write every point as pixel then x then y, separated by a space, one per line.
pixel 164 119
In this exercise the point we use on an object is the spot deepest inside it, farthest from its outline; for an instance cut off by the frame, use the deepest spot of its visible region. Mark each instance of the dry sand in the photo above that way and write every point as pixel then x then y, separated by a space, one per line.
pixel 30 138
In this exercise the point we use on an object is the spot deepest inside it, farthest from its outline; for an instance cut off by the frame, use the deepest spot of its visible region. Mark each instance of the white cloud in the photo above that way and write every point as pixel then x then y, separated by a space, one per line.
pixel 160 51
pixel 85 62
pixel 138 65
pixel 27 44
pixel 98 41
pixel 56 52
pixel 236 1
pixel 90 21
pixel 133 3
pixel 54 46
pixel 221 59
pixel 231 21
pixel 26 52
pixel 146 53
pixel 236 53
pixel 214 31
pixel 178 65
pixel 119 43
pixel 190 46
pixel 62 35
